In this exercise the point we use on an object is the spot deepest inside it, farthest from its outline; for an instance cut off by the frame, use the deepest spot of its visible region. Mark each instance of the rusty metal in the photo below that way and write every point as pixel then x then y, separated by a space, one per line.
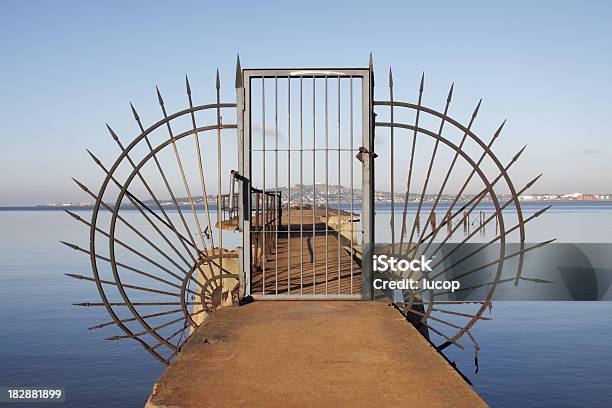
pixel 200 164
pixel 168 222
pixel 448 173
pixel 420 241
pixel 430 166
pixel 162 173
pixel 138 204
pixel 392 162
pixel 469 203
pixel 410 167
pixel 171 265
pixel 152 248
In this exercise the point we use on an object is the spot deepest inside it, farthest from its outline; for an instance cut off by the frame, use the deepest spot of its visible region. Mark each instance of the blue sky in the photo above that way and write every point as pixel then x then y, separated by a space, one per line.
pixel 69 67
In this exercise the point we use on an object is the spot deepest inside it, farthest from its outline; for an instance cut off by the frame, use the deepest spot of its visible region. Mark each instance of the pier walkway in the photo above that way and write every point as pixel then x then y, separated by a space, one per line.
pixel 311 254
pixel 310 353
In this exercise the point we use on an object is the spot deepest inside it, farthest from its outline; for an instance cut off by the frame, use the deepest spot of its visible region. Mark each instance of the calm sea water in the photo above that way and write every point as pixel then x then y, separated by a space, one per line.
pixel 533 354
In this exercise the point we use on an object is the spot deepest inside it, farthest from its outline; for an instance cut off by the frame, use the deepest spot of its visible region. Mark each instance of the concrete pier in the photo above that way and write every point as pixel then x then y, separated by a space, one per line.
pixel 310 353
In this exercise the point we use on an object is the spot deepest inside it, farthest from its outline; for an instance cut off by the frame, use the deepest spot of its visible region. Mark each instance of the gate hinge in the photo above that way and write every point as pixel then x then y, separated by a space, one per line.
pixel 363 152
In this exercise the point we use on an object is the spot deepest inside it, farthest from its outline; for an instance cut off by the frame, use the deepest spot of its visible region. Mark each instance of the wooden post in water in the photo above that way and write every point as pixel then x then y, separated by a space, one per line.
pixel 497 224
pixel 482 223
pixel 432 220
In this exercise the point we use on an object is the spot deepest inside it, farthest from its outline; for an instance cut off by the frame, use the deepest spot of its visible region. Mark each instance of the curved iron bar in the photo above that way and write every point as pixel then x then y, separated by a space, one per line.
pixel 168 222
pixel 503 173
pixel 124 153
pixel 407 196
pixel 491 192
pixel 206 285
pixel 115 213
pixel 431 163
pixel 491 155
pixel 446 178
pixel 473 202
pixel 495 203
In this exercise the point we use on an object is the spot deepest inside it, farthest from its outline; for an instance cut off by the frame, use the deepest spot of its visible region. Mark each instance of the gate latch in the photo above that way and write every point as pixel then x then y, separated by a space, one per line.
pixel 363 153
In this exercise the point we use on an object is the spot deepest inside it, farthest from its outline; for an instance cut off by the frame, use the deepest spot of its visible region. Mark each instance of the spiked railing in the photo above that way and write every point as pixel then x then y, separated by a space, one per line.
pixel 158 259
pixel 446 322
pixel 152 247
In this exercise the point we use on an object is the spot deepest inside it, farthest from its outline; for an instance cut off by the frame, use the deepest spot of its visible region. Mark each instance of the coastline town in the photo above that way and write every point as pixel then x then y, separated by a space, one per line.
pixel 343 195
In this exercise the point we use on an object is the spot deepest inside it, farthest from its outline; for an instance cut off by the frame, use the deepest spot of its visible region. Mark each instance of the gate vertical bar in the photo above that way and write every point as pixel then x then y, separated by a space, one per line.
pixel 244 123
pixel 314 186
pixel 277 203
pixel 326 189
pixel 301 185
pixel 367 191
pixel 289 185
pixel 338 224
pixel 264 207
pixel 351 178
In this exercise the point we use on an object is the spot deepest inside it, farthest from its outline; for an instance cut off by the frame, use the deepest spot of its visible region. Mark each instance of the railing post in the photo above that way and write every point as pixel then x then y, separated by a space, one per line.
pixel 367 117
pixel 244 170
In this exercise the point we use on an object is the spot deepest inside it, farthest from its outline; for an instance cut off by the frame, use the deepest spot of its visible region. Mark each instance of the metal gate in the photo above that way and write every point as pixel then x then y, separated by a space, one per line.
pixel 305 137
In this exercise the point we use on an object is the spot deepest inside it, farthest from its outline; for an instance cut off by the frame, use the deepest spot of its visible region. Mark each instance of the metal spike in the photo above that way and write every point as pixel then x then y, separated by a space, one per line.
pixel 187 85
pixel 69 245
pixel 112 132
pixel 532 182
pixel 134 112
pixel 73 215
pixel 474 202
pixel 541 244
pixel 161 326
pixel 390 78
pixel 83 187
pixel 542 211
pixel 114 338
pixel 141 207
pixel 448 174
pixel 125 285
pixel 93 156
pixel 133 304
pixel 191 241
pixel 99 326
pixel 217 80
pixel 371 68
pixel 422 85
pixel 516 156
pixel 536 280
pixel 159 97
pixel 431 162
pixel 410 167
pixel 498 131
pixel 238 72
pixel 477 109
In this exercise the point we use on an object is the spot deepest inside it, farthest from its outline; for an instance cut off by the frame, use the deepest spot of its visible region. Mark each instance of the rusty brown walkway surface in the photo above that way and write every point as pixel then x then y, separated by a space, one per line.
pixel 310 353
pixel 313 259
